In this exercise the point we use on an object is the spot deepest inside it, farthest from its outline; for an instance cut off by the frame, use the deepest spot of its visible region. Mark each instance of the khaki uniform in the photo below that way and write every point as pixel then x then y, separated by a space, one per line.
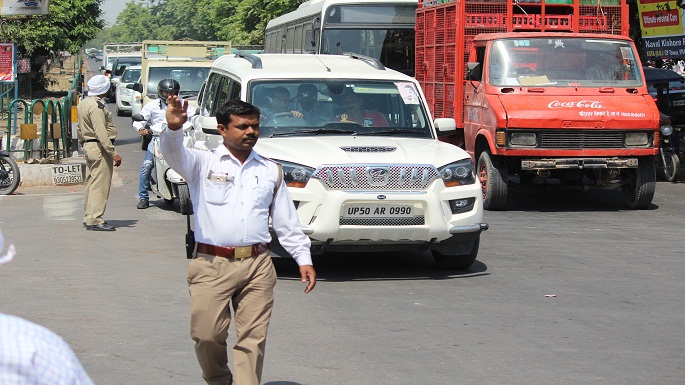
pixel 96 132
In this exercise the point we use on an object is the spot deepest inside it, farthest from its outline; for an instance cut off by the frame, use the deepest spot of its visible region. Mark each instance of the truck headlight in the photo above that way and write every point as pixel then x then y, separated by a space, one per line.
pixel 666 130
pixel 296 175
pixel 634 139
pixel 458 173
pixel 527 139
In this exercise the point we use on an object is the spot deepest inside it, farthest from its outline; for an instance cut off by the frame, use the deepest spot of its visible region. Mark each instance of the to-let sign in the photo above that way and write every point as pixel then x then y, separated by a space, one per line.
pixel 67 174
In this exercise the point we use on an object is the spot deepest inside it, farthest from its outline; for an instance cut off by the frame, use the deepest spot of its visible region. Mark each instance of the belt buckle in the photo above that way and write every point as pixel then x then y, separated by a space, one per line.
pixel 242 251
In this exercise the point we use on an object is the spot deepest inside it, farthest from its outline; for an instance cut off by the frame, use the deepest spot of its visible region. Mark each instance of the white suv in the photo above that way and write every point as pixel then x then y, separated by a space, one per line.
pixel 361 157
pixel 125 95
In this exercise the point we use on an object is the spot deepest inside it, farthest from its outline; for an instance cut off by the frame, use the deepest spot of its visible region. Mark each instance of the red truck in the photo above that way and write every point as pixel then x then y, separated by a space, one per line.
pixel 545 93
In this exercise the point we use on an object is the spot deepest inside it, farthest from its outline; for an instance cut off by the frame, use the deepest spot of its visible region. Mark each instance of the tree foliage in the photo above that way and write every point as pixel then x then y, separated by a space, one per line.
pixel 70 24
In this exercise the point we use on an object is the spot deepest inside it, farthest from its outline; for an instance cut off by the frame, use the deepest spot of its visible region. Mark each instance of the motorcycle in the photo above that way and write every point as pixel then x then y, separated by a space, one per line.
pixel 669 158
pixel 165 182
pixel 9 174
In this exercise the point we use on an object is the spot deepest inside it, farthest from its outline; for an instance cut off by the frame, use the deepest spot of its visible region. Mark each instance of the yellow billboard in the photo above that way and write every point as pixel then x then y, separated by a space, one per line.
pixel 9 8
pixel 662 25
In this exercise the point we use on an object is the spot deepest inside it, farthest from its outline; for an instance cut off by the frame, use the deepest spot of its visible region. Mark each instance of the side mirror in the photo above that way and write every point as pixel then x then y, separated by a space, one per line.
pixel 445 126
pixel 210 131
pixel 138 118
pixel 137 87
pixel 102 68
pixel 474 71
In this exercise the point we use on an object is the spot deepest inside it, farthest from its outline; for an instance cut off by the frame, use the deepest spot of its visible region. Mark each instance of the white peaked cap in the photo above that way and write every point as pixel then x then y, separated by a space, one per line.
pixel 98 85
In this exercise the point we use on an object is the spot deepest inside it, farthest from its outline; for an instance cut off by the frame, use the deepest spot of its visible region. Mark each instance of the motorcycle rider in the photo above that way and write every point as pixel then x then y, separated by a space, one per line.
pixel 154 112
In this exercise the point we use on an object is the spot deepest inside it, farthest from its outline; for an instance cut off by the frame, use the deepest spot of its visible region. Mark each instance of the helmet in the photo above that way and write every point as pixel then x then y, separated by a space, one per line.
pixel 166 86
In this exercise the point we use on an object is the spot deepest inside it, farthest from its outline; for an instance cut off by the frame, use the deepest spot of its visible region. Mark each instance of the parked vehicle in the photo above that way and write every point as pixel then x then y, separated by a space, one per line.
pixel 377 181
pixel 546 93
pixel 165 182
pixel 9 174
pixel 668 90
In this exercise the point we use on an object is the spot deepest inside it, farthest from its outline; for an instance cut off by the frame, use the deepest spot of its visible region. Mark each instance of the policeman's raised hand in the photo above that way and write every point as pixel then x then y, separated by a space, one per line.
pixel 308 275
pixel 117 161
pixel 176 112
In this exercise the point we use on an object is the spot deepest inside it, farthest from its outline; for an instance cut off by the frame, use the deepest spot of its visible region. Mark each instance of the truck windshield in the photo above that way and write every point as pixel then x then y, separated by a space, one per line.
pixel 190 79
pixel 335 107
pixel 575 62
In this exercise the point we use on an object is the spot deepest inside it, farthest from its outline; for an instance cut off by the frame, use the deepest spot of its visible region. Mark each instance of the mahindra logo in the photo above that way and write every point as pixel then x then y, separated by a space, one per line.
pixel 595 104
pixel 378 176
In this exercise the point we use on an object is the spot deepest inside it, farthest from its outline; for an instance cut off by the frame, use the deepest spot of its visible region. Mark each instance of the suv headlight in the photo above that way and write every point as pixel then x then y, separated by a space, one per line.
pixel 123 91
pixel 458 173
pixel 296 175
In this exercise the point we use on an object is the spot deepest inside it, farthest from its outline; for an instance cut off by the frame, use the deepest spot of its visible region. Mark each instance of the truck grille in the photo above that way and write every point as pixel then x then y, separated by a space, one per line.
pixel 582 139
pixel 376 177
pixel 415 221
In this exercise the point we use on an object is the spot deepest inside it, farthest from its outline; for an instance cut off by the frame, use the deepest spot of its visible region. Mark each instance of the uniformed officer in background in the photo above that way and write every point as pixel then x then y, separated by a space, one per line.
pixel 234 190
pixel 97 132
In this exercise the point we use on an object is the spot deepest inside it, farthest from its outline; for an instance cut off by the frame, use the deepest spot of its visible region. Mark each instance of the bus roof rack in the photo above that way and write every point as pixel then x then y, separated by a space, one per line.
pixel 373 62
pixel 256 62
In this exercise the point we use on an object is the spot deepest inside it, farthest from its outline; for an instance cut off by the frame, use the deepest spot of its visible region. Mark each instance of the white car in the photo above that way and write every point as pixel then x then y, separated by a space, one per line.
pixel 379 182
pixel 124 95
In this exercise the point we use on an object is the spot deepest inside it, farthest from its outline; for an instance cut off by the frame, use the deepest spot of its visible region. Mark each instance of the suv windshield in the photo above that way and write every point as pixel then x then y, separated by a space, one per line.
pixel 575 62
pixel 302 107
pixel 131 75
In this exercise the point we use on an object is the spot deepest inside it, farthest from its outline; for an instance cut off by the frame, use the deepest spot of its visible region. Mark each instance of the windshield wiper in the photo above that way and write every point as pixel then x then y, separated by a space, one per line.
pixel 315 131
pixel 393 132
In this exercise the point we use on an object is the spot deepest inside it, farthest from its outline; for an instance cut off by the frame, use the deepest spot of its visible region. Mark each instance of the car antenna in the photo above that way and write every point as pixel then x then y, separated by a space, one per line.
pixel 324 64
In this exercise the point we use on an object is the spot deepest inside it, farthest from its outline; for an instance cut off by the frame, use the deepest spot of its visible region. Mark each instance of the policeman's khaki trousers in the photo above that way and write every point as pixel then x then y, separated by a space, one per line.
pixel 246 283
pixel 99 170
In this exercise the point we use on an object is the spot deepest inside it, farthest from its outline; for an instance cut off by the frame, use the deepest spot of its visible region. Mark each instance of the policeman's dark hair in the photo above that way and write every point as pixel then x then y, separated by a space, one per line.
pixel 235 107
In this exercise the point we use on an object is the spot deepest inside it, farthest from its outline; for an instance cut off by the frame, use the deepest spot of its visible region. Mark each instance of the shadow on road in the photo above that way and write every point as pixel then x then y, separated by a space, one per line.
pixel 342 267
pixel 567 200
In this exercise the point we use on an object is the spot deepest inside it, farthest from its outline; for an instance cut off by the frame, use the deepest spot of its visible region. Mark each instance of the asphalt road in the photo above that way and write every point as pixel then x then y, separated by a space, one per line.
pixel 569 288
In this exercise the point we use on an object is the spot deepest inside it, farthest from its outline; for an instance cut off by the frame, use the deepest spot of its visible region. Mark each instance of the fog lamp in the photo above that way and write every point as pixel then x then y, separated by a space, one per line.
pixel 459 206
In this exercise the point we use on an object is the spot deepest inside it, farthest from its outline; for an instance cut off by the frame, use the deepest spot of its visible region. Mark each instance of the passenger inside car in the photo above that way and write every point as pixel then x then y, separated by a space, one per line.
pixel 314 112
pixel 354 112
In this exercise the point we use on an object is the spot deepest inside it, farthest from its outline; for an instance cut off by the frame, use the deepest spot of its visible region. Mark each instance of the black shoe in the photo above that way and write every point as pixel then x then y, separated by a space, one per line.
pixel 101 227
pixel 143 203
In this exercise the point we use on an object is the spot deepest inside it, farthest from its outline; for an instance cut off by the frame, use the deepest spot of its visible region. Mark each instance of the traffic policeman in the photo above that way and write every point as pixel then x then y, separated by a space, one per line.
pixel 233 190
pixel 97 133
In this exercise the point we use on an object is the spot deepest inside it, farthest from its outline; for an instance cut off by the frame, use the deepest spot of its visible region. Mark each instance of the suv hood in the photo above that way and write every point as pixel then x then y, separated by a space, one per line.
pixel 580 111
pixel 328 149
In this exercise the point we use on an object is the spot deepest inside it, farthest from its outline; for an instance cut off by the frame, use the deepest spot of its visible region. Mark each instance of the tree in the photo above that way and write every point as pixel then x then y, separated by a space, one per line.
pixel 70 24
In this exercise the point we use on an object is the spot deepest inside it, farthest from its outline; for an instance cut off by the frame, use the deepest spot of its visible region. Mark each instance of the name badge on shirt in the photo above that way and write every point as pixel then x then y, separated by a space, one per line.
pixel 219 177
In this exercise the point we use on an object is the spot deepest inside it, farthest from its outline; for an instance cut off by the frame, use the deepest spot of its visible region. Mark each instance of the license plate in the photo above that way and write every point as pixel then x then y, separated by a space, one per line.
pixel 678 103
pixel 372 210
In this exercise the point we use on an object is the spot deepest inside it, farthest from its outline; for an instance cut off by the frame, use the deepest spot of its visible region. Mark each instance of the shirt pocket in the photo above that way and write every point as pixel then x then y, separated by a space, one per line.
pixel 217 193
pixel 262 197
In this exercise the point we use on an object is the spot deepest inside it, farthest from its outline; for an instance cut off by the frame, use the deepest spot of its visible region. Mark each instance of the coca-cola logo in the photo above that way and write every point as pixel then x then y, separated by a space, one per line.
pixel 595 104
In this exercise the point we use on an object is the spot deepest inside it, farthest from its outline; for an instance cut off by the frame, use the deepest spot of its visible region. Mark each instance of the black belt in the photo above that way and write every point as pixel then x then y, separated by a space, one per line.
pixel 95 140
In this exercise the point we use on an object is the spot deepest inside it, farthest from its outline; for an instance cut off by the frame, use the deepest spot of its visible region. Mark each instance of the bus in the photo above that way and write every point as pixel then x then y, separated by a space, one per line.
pixel 381 29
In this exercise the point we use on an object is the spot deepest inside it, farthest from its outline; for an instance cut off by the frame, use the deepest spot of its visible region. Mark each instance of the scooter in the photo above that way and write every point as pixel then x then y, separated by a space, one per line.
pixel 165 182
pixel 9 174
pixel 669 151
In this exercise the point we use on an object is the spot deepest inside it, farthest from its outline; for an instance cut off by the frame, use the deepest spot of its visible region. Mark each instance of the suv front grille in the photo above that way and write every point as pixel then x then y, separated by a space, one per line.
pixel 377 177
pixel 414 221
pixel 368 148
pixel 581 139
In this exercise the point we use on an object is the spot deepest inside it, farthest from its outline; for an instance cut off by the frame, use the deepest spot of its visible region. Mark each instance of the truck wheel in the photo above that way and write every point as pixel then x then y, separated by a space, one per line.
pixel 493 181
pixel 184 202
pixel 639 191
pixel 671 167
pixel 457 262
